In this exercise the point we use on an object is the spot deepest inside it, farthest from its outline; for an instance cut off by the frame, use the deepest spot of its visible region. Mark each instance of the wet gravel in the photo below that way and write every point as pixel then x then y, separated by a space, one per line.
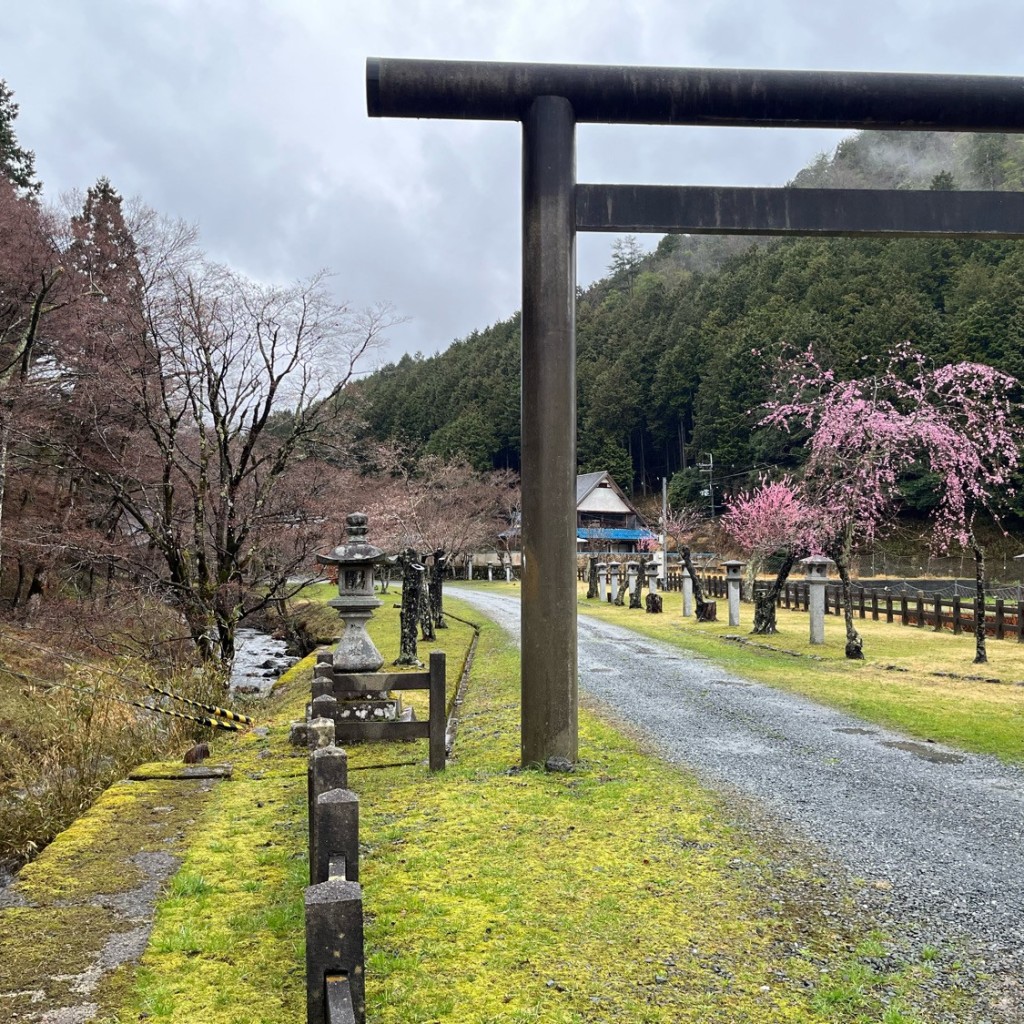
pixel 935 832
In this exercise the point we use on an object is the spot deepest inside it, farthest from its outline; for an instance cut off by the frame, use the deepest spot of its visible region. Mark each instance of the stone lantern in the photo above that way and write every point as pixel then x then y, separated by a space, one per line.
pixel 817 576
pixel 733 582
pixel 356 600
pixel 652 576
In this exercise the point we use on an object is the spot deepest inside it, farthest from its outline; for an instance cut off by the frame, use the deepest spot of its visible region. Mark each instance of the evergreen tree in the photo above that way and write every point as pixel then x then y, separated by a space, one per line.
pixel 17 164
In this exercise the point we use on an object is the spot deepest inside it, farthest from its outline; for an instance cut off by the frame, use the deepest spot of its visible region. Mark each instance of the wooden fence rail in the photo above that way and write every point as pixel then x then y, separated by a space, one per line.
pixel 1003 619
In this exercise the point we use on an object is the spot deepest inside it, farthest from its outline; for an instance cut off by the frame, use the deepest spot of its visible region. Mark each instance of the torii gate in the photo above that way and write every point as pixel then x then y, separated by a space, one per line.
pixel 550 99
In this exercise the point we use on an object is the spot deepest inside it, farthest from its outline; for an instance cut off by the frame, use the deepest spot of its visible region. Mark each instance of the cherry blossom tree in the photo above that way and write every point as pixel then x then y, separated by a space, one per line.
pixel 772 519
pixel 960 420
pixel 967 420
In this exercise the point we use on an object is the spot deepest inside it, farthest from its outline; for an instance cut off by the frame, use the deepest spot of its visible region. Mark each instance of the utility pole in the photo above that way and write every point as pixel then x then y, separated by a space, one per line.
pixel 664 537
pixel 707 465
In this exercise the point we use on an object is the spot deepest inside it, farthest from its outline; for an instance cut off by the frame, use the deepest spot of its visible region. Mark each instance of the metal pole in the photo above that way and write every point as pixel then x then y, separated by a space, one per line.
pixel 549 686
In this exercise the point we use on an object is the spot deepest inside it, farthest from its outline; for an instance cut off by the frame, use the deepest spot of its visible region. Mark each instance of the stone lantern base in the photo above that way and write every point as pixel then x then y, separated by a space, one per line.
pixel 331 700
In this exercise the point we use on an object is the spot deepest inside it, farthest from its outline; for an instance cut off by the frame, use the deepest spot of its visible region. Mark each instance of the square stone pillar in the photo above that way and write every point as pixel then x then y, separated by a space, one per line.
pixel 687 592
pixel 733 582
pixel 614 567
pixel 602 581
pixel 817 578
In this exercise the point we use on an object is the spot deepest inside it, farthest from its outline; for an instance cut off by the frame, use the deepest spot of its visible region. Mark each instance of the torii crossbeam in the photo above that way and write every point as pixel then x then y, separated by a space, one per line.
pixel 549 100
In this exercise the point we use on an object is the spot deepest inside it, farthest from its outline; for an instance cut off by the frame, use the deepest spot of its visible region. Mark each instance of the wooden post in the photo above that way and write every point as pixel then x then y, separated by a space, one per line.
pixel 874 605
pixel 1000 619
pixel 860 605
pixel 903 609
pixel 957 621
pixel 920 609
pixel 1020 622
pixel 938 614
pixel 438 710
pixel 888 607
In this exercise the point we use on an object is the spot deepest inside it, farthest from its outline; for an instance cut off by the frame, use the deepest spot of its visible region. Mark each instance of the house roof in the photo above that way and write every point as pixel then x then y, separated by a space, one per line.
pixel 587 483
pixel 611 534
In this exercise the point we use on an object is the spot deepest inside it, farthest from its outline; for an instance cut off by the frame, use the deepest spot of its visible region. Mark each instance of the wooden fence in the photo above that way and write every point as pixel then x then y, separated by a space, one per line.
pixel 1003 619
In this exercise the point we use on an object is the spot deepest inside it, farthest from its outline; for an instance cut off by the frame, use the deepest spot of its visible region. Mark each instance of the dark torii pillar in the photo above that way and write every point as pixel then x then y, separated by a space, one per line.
pixel 548 609
pixel 549 100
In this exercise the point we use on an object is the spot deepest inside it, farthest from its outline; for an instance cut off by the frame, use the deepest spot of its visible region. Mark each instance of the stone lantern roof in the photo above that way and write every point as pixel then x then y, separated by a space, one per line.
pixel 357 549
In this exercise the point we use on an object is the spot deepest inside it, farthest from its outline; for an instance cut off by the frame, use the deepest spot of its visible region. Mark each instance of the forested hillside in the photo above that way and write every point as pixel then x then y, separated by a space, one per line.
pixel 676 345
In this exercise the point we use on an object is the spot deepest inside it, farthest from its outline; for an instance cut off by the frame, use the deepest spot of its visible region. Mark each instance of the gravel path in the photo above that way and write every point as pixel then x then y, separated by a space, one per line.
pixel 941 827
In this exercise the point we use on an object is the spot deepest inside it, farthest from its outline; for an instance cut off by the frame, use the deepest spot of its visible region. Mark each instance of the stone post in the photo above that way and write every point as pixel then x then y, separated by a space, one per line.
pixel 469 567
pixel 687 579
pixel 602 581
pixel 817 578
pixel 334 946
pixel 328 769
pixel 614 568
pixel 632 572
pixel 508 573
pixel 490 573
pixel 335 830
pixel 733 582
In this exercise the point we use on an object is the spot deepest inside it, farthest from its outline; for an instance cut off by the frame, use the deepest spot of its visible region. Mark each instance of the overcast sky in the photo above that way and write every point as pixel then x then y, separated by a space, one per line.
pixel 248 117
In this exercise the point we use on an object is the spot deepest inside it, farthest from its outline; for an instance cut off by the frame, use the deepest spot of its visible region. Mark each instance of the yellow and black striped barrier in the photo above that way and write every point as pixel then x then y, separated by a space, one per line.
pixel 212 709
pixel 216 723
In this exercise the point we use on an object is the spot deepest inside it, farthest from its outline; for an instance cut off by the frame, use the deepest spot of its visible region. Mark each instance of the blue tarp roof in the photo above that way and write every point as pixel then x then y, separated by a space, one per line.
pixel 596 534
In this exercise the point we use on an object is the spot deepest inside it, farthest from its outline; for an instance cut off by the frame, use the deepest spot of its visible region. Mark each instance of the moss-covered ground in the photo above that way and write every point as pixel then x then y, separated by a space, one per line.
pixel 70 911
pixel 622 891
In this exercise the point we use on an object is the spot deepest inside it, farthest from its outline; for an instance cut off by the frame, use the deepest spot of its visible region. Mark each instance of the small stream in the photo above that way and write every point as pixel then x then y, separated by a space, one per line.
pixel 259 660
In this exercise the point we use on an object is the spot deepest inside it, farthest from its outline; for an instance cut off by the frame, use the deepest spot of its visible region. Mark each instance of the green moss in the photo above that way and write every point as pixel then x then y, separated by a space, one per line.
pixel 89 858
pixel 66 924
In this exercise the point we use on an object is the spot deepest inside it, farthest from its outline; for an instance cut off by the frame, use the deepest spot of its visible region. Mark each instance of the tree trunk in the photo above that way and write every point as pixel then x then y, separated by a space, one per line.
pixel 412 583
pixel 591 578
pixel 699 604
pixel 980 654
pixel 841 556
pixel 426 612
pixel 766 599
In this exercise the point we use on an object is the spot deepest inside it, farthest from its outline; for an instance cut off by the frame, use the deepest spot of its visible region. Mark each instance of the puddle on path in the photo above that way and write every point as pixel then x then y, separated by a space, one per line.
pixel 855 730
pixel 925 752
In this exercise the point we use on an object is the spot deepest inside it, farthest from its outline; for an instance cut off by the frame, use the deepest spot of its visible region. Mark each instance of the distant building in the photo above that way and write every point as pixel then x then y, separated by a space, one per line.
pixel 605 518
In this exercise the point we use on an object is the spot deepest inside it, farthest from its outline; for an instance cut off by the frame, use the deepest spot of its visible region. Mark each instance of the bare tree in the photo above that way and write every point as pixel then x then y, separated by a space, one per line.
pixel 204 427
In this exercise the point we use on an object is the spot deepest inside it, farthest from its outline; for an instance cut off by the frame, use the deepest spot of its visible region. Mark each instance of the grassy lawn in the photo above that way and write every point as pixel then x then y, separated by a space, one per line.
pixel 619 892
pixel 900 683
